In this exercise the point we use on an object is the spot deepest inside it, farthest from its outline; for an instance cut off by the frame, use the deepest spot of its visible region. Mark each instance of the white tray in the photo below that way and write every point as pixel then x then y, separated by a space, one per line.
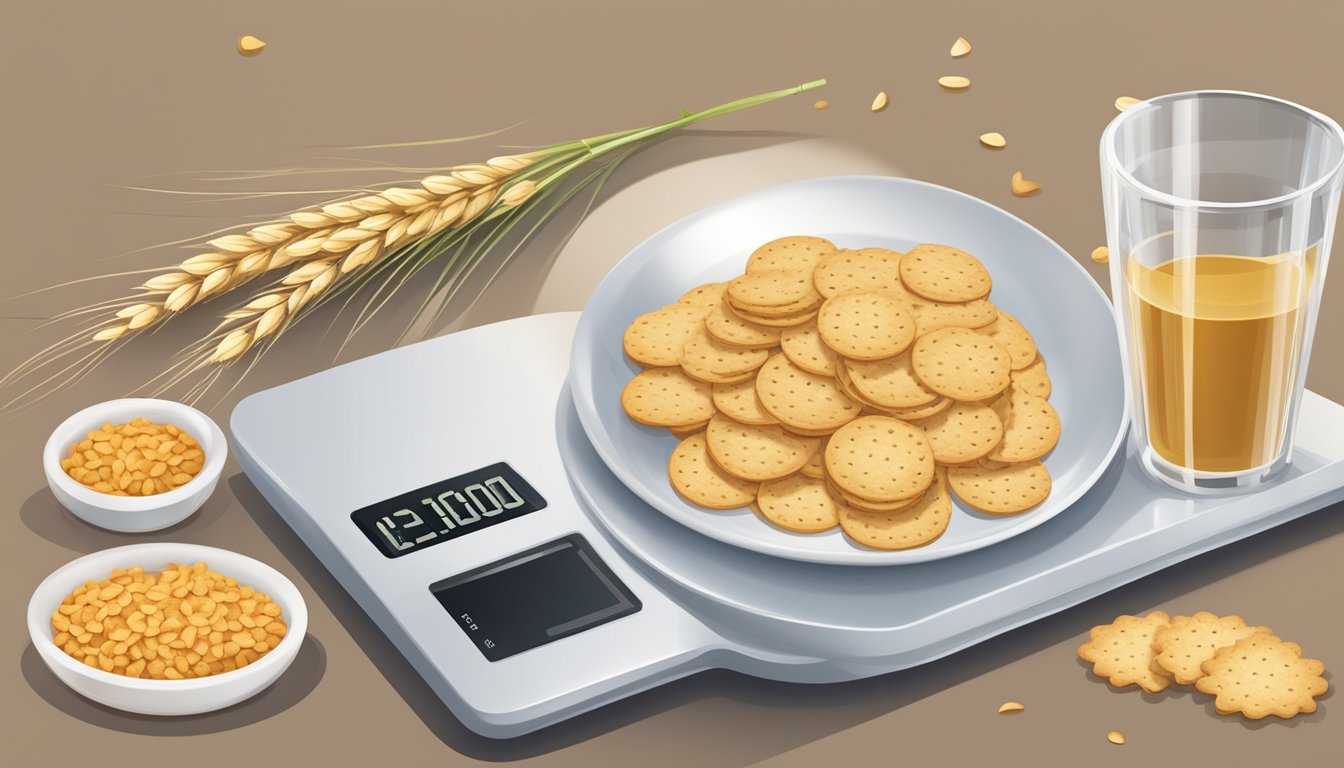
pixel 862 621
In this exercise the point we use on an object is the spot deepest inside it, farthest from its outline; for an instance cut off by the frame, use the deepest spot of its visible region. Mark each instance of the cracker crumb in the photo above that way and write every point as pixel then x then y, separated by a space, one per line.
pixel 250 46
pixel 822 104
pixel 954 82
pixel 960 48
pixel 1009 707
pixel 1125 102
pixel 1101 254
pixel 993 140
pixel 1022 186
pixel 880 101
pixel 1115 737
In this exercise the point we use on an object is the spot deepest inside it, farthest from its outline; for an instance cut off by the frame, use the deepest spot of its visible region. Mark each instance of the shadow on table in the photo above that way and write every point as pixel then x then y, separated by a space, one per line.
pixel 303 675
pixel 42 514
pixel 1176 691
pixel 858 701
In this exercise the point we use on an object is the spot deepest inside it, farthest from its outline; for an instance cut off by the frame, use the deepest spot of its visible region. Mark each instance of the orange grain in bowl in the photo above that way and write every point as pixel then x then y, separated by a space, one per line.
pixel 139 458
pixel 185 621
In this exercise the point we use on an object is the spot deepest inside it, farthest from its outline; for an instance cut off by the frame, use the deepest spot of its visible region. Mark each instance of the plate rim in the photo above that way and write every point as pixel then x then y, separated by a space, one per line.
pixel 582 392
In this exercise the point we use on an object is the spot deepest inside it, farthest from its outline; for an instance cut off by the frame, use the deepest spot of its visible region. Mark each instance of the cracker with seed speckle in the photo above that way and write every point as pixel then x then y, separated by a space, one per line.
pixel 700 481
pixel 1261 675
pixel 1122 652
pixel 1189 641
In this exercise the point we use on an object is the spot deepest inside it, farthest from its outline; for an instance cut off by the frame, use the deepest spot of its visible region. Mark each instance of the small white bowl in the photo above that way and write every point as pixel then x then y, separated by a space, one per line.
pixel 148 696
pixel 135 514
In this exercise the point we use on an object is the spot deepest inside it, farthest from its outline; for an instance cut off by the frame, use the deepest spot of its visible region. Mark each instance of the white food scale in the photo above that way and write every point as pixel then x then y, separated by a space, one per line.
pixel 453 490
pixel 450 488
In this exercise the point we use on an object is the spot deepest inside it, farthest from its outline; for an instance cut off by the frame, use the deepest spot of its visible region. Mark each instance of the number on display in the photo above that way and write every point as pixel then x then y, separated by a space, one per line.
pixel 405 528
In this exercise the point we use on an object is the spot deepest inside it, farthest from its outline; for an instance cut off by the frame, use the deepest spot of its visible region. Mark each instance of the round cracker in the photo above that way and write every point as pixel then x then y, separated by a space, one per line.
pixel 889 383
pixel 705 358
pixel 943 273
pixel 754 452
pixel 924 411
pixel 816 466
pixel 667 397
pixel 762 290
pixel 880 507
pixel 729 328
pixel 801 400
pixel 1005 490
pixel 781 312
pixel 799 504
pixel 681 433
pixel 874 269
pixel 779 321
pixel 706 295
pixel 879 458
pixel 933 315
pixel 803 346
pixel 917 526
pixel 700 481
pixel 796 252
pixel 740 402
pixel 964 432
pixel 656 338
pixel 866 325
pixel 1034 379
pixel 1014 337
pixel 1030 427
pixel 847 386
pixel 961 364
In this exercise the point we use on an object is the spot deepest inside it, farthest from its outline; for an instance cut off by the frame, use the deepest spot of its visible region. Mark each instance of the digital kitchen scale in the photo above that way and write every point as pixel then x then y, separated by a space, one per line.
pixel 450 488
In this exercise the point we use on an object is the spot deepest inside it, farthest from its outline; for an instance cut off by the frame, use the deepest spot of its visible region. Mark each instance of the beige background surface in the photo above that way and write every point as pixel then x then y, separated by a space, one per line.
pixel 102 96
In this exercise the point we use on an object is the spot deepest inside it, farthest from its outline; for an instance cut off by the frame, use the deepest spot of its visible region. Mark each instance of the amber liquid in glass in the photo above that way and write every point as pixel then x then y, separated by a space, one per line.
pixel 1218 343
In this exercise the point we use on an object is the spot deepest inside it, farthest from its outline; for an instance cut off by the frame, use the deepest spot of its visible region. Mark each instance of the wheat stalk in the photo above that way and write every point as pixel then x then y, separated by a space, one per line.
pixel 459 217
pixel 336 238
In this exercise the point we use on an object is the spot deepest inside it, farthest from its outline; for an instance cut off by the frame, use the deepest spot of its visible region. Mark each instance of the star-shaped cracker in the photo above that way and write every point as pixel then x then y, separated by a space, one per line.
pixel 1261 675
pixel 1122 652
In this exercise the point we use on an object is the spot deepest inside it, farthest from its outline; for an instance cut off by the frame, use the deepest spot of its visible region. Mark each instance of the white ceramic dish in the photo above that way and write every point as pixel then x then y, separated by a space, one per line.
pixel 135 514
pixel 167 697
pixel 1034 279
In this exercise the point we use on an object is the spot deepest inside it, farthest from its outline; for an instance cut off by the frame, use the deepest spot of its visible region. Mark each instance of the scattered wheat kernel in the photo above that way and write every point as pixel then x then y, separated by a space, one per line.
pixel 993 140
pixel 1125 102
pixel 1101 254
pixel 1009 707
pixel 1115 737
pixel 250 46
pixel 954 82
pixel 880 101
pixel 1023 187
pixel 822 104
pixel 961 47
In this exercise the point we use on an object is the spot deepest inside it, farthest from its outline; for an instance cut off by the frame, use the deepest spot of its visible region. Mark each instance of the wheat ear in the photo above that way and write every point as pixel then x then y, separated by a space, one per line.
pixel 332 240
pixel 268 313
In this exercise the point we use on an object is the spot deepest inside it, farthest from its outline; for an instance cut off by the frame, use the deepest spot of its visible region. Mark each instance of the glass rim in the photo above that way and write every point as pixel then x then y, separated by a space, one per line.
pixel 1112 157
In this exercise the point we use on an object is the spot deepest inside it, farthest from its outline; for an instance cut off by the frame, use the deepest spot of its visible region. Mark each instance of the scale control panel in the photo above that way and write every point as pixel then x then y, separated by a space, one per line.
pixel 519 602
pixel 534 597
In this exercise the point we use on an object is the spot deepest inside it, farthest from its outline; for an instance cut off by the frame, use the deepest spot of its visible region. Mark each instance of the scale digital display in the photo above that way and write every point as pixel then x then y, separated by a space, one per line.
pixel 535 597
pixel 447 510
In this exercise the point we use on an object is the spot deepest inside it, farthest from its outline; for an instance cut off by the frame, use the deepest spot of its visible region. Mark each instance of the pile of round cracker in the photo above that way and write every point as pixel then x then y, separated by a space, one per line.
pixel 829 387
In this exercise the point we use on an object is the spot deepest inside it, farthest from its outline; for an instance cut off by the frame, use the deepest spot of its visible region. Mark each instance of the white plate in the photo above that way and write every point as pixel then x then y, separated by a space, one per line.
pixel 1034 279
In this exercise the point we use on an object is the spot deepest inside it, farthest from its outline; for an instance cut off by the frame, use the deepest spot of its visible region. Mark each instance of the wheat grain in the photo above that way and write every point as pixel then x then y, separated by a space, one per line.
pixel 341 236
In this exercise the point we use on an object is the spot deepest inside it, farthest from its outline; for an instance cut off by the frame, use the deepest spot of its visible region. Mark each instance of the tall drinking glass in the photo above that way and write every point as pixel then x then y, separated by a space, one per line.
pixel 1220 208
